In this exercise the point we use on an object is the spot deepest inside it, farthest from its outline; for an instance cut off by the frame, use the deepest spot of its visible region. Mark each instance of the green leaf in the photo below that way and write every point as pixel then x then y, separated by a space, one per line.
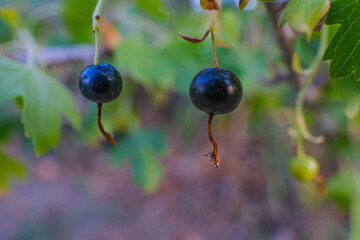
pixel 344 189
pixel 44 100
pixel 77 15
pixel 155 7
pixel 341 188
pixel 143 150
pixel 11 16
pixel 147 171
pixel 9 126
pixel 346 91
pixel 344 48
pixel 354 233
pixel 118 116
pixel 10 168
pixel 303 15
pixel 134 55
pixel 296 64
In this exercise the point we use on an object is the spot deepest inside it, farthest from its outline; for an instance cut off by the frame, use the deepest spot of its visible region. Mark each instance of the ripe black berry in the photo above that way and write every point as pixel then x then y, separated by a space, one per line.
pixel 216 91
pixel 100 83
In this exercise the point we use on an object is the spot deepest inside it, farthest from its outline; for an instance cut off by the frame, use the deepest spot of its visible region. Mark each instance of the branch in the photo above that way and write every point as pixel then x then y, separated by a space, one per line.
pixel 65 54
pixel 285 36
pixel 57 55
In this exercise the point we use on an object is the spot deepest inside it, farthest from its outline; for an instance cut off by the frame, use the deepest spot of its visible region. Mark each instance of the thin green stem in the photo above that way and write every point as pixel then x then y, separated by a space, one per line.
pixel 216 62
pixel 300 145
pixel 299 111
pixel 96 28
pixel 97 47
pixel 97 15
pixel 211 28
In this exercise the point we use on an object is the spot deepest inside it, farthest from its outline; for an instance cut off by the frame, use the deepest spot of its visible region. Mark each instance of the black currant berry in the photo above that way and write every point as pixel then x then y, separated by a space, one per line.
pixel 216 91
pixel 100 83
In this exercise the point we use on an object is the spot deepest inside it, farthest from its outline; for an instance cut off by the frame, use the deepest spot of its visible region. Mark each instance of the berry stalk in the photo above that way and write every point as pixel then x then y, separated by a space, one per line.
pixel 107 135
pixel 214 154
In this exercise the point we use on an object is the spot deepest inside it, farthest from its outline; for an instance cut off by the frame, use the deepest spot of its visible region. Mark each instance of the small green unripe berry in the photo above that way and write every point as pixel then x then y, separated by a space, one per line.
pixel 303 169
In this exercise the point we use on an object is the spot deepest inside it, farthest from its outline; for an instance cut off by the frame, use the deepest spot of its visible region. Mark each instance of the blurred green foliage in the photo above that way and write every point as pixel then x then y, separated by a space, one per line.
pixel 143 149
pixel 346 91
pixel 303 15
pixel 341 188
pixel 157 65
pixel 154 7
pixel 10 168
pixel 74 13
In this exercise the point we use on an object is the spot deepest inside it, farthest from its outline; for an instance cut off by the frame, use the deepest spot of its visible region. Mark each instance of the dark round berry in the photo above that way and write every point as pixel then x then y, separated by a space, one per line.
pixel 216 91
pixel 100 83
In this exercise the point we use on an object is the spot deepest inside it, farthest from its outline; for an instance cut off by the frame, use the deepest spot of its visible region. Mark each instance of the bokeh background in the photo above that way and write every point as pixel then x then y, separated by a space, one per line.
pixel 156 184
